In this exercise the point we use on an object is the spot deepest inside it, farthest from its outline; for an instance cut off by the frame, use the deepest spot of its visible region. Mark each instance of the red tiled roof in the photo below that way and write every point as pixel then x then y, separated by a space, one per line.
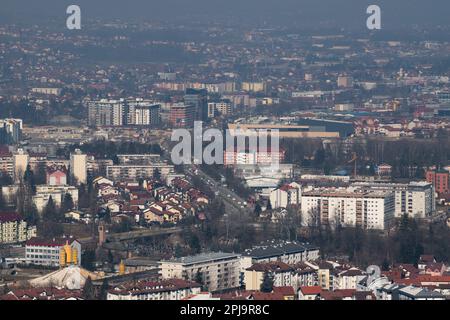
pixel 58 242
pixel 311 290
pixel 285 291
pixel 9 217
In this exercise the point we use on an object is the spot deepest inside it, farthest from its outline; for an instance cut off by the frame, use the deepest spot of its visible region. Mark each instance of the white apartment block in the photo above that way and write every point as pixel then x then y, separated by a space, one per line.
pixel 348 207
pixel 283 251
pixel 21 160
pixel 44 192
pixel 78 166
pixel 135 172
pixel 417 199
pixel 217 270
pixel 14 229
pixel 286 195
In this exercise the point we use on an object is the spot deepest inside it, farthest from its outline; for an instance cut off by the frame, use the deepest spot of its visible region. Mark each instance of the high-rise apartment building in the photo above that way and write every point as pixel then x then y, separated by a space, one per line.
pixel 182 115
pixel 348 207
pixel 78 166
pixel 440 180
pixel 199 99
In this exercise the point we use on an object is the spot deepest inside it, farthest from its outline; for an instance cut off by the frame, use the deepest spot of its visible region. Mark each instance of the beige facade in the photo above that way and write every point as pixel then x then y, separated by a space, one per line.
pixel 217 271
pixel 78 166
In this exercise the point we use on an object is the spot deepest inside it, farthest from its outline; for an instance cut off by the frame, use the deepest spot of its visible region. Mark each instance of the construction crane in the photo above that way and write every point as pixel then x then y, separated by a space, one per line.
pixel 354 160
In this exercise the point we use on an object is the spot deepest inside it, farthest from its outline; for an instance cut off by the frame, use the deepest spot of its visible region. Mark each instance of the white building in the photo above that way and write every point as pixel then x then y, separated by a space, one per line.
pixel 348 207
pixel 217 270
pixel 135 172
pixel 284 251
pixel 286 195
pixel 78 166
pixel 14 229
pixel 417 199
pixel 52 252
pixel 21 159
pixel 44 192
pixel 171 289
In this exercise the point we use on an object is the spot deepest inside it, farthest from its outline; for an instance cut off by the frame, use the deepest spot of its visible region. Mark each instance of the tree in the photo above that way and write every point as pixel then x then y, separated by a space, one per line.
pixel 103 295
pixel 88 292
pixel 2 200
pixel 258 209
pixel 88 260
pixel 194 243
pixel 50 229
pixel 28 178
pixel 31 214
pixel 178 251
pixel 269 205
pixel 267 283
pixel 68 203
pixel 50 211
pixel 157 174
pixel 199 279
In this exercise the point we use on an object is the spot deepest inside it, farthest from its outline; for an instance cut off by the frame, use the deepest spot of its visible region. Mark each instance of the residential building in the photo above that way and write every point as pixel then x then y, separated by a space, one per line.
pixel 284 251
pixel 285 195
pixel 198 98
pixel 10 131
pixel 143 113
pixel 136 172
pixel 182 115
pixel 216 270
pixel 14 229
pixel 348 207
pixel 416 199
pixel 280 272
pixel 440 180
pixel 56 192
pixel 78 167
pixel 56 175
pixel 170 289
pixel 21 160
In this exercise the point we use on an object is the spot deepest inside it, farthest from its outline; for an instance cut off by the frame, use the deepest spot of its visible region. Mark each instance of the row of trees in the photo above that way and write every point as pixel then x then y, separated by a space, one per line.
pixel 408 157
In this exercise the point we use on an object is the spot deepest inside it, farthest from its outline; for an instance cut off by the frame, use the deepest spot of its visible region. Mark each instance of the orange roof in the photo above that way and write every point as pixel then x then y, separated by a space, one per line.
pixel 311 290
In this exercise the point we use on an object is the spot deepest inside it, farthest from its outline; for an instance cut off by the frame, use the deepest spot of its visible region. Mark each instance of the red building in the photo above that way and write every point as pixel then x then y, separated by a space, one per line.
pixel 439 179
pixel 56 176
pixel 182 116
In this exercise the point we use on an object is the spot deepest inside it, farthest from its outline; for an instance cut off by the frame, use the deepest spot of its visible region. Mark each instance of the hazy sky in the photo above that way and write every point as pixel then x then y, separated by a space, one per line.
pixel 310 12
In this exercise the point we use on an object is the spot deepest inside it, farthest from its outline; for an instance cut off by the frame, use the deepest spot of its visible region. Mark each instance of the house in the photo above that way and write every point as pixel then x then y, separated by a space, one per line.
pixel 348 279
pixel 309 293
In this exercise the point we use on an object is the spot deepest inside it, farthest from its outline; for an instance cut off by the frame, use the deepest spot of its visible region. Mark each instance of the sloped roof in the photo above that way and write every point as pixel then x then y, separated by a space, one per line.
pixel 72 277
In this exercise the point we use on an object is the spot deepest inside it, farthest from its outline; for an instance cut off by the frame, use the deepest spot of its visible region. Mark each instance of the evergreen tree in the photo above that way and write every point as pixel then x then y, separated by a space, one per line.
pixel 50 211
pixel 258 210
pixel 88 292
pixel 104 290
pixel 67 203
pixel 178 251
pixel 157 174
pixel 2 201
pixel 269 205
pixel 267 284
pixel 31 214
